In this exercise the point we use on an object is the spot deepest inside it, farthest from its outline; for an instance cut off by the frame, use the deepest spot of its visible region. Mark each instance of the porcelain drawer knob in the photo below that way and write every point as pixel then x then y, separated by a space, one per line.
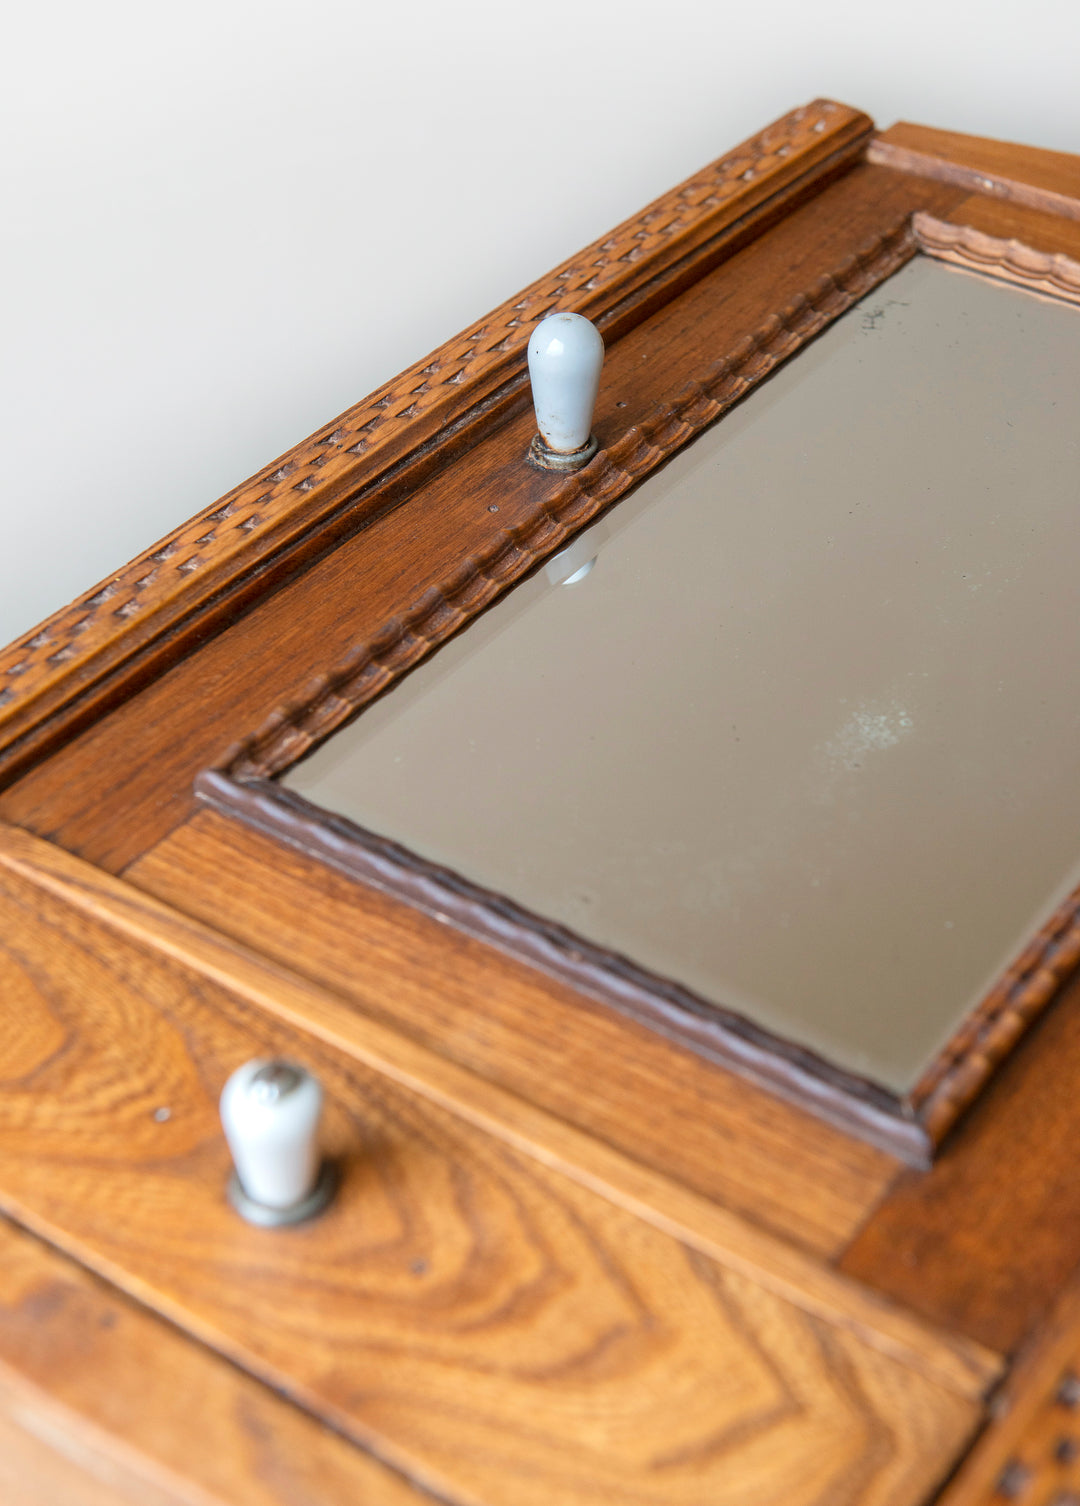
pixel 565 357
pixel 270 1113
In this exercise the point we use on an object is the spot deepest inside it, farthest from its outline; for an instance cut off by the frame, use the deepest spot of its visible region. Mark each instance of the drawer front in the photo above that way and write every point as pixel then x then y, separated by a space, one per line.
pixel 498 1329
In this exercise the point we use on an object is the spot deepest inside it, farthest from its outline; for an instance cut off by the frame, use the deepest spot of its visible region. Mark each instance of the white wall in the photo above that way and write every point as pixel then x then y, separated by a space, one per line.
pixel 229 220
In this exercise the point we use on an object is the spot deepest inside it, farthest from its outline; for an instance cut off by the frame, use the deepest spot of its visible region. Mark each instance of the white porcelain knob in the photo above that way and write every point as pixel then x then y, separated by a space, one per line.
pixel 270 1113
pixel 565 357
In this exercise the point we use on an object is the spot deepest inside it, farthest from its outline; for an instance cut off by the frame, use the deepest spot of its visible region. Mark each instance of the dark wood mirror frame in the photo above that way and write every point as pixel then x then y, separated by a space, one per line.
pixel 141 730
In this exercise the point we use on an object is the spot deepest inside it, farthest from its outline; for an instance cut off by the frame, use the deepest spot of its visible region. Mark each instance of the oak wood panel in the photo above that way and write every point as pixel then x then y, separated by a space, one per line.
pixel 513 1024
pixel 124 783
pixel 497 1329
pixel 282 995
pixel 197 578
pixel 984 1240
pixel 89 1373
pixel 1025 175
pixel 1030 1453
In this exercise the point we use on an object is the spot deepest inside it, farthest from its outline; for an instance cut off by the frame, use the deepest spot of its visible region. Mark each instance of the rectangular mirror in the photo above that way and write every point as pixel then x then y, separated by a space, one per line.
pixel 792 727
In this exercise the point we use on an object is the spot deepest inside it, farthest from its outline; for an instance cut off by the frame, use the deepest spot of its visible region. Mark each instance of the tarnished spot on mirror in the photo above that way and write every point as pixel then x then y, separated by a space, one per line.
pixel 779 754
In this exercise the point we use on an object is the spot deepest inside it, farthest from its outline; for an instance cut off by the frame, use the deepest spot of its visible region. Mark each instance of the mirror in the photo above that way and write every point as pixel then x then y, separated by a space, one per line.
pixel 795 726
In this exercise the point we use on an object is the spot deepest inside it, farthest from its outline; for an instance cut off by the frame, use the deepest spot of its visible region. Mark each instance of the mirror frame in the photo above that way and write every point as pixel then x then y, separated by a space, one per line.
pixel 768 245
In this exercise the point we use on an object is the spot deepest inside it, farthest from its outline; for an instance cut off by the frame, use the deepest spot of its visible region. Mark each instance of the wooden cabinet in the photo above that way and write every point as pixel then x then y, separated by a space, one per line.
pixel 595 1239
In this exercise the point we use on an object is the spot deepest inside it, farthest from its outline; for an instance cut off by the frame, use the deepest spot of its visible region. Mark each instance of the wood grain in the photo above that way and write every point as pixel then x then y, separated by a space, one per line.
pixel 985 1240
pixel 94 1377
pixel 749 1151
pixel 1028 176
pixel 281 995
pixel 124 783
pixel 197 578
pixel 494 1327
pixel 516 1299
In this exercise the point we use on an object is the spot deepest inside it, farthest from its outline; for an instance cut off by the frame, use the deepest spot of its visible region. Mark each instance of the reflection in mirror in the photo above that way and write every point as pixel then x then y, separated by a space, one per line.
pixel 801 733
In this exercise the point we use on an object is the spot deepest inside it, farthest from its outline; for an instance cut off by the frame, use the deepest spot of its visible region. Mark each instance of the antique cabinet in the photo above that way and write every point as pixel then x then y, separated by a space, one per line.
pixel 615 1222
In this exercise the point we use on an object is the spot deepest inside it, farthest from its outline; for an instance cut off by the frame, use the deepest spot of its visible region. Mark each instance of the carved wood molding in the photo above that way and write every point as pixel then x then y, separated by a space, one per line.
pixel 994 185
pixel 1007 260
pixel 141 614
pixel 991 1031
pixel 293 730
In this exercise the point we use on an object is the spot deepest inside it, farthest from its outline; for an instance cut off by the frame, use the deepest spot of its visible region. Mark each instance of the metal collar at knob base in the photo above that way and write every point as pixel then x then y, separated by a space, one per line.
pixel 553 460
pixel 278 1218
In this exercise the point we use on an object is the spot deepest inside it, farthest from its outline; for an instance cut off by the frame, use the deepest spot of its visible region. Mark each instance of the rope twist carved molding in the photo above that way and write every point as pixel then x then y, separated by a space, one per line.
pixel 310 481
pixel 990 1032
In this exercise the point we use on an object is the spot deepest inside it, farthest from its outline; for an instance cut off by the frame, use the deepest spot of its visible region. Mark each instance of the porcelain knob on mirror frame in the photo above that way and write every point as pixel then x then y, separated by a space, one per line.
pixel 566 353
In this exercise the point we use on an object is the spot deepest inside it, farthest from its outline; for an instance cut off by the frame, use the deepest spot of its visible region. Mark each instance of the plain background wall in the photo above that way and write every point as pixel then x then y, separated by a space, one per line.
pixel 228 221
